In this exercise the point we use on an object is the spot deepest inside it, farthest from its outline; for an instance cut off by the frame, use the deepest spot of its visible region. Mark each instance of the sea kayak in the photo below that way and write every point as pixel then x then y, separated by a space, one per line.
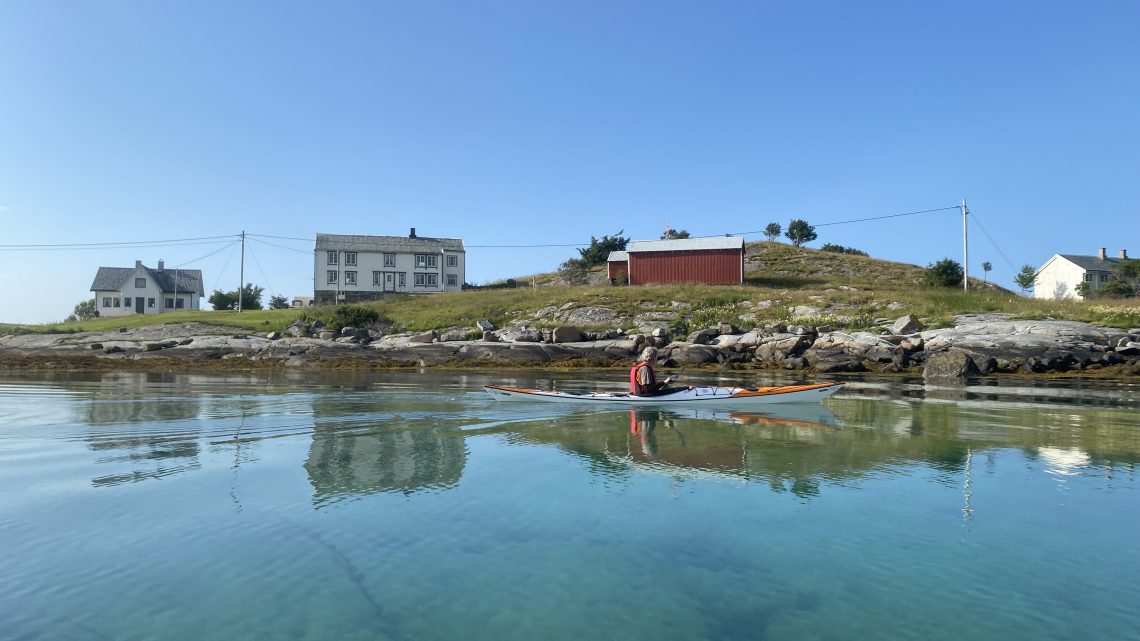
pixel 719 396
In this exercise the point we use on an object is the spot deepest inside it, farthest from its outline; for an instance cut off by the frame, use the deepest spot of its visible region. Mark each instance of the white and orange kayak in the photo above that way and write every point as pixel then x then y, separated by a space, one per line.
pixel 719 396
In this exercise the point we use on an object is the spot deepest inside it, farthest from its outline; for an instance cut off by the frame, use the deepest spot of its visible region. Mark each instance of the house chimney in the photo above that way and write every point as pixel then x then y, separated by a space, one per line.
pixel 1124 254
pixel 138 263
pixel 412 234
pixel 159 264
pixel 1102 254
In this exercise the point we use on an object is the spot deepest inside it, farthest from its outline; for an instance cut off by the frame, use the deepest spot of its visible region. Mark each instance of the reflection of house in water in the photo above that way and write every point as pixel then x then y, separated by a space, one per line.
pixel 402 458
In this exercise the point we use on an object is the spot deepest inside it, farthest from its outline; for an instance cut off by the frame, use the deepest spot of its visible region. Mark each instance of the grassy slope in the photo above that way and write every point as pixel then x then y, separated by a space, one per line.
pixel 786 275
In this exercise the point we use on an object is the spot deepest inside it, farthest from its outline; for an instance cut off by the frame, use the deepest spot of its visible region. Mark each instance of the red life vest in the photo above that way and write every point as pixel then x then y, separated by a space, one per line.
pixel 636 388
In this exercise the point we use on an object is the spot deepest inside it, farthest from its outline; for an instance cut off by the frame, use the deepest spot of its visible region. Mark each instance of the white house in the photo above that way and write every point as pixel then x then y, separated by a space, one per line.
pixel 358 268
pixel 121 291
pixel 1059 276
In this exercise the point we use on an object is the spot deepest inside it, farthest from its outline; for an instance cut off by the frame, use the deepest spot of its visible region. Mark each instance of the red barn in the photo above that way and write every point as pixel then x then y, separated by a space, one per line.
pixel 617 266
pixel 718 260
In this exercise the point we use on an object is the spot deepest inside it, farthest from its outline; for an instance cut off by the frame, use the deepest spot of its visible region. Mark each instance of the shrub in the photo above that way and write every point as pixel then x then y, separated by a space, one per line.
pixel 343 316
pixel 944 273
pixel 840 249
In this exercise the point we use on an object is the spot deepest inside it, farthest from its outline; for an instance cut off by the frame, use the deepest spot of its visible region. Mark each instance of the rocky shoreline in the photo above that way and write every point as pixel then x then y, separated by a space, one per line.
pixel 977 345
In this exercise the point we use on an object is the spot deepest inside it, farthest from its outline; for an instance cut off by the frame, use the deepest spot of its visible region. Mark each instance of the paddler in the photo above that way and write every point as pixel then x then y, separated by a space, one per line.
pixel 642 379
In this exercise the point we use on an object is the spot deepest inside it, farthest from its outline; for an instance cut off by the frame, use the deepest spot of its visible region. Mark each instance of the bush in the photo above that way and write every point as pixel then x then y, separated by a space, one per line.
pixel 944 273
pixel 599 250
pixel 840 249
pixel 1115 289
pixel 344 316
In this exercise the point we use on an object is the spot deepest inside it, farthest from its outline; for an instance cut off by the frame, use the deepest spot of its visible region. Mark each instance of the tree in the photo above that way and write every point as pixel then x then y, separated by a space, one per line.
pixel 944 273
pixel 574 271
pixel 599 250
pixel 250 296
pixel 278 302
pixel 222 300
pixel 1128 275
pixel 674 234
pixel 1025 278
pixel 986 267
pixel 1082 290
pixel 799 232
pixel 84 310
pixel 840 249
pixel 1116 289
pixel 773 231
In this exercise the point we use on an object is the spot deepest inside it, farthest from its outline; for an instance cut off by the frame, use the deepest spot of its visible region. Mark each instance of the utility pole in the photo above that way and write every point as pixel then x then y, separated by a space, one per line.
pixel 965 250
pixel 241 274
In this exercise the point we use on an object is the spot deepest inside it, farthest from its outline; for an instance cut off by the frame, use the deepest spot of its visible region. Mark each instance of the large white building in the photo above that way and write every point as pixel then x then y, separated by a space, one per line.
pixel 121 291
pixel 1059 276
pixel 358 268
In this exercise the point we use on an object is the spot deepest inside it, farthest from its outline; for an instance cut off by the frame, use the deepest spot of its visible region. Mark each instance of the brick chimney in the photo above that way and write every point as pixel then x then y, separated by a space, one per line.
pixel 412 234
pixel 1124 254
pixel 1102 254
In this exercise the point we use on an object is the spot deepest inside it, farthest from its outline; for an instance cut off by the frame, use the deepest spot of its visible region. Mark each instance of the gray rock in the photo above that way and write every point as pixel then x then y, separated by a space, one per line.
pixel 805 311
pixel 1128 348
pixel 152 347
pixel 490 336
pixel 328 335
pixel 94 346
pixel 298 329
pixel 348 331
pixel 112 349
pixel 588 316
pixel 839 364
pixel 908 324
pixel 424 337
pixel 186 341
pixel 543 312
pixel 318 324
pixel 702 337
pixel 795 362
pixel 726 328
pixel 823 329
pixel 484 325
pixel 776 328
pixel 782 346
pixel 912 344
pixel 273 335
pixel 801 330
pixel 527 336
pixel 566 334
pixel 684 354
pixel 453 334
pixel 951 364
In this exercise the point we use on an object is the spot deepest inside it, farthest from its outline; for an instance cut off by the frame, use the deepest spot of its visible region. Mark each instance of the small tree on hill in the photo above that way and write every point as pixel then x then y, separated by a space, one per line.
pixel 278 302
pixel 1025 278
pixel 220 300
pixel 84 310
pixel 944 273
pixel 251 296
pixel 799 232
pixel 599 250
pixel 986 267
pixel 773 231
pixel 675 234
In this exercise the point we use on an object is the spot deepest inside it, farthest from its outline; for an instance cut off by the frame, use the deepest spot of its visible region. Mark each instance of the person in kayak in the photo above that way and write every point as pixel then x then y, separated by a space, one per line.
pixel 642 379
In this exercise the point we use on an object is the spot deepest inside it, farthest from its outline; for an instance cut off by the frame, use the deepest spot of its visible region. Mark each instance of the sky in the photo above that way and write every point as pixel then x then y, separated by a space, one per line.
pixel 548 123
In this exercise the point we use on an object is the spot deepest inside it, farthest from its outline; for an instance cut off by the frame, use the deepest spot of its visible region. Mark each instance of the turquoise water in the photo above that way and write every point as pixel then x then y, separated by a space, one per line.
pixel 411 506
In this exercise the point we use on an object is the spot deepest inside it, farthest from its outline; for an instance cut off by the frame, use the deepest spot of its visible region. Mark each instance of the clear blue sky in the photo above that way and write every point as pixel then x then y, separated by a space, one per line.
pixel 540 122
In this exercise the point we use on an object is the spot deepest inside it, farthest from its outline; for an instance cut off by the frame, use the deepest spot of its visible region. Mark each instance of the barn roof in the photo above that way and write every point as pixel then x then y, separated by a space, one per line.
pixel 618 256
pixel 686 244
pixel 393 244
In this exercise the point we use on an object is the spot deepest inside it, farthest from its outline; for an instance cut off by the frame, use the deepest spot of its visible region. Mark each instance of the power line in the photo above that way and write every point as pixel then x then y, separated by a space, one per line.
pixel 992 242
pixel 201 258
pixel 257 262
pixel 861 220
pixel 292 249
pixel 120 244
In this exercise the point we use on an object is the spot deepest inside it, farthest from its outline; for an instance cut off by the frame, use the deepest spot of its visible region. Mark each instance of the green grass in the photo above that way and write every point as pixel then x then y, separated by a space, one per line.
pixel 785 275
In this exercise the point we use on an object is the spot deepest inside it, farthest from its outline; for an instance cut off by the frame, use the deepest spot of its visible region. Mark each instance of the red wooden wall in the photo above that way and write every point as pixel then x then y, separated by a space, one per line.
pixel 709 266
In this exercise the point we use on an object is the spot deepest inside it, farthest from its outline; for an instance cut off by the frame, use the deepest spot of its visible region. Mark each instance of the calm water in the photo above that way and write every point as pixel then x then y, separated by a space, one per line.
pixel 411 506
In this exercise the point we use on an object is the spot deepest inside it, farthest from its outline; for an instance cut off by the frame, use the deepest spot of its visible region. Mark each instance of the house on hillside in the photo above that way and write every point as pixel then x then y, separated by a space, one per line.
pixel 302 301
pixel 1059 276
pixel 121 291
pixel 350 269
pixel 717 260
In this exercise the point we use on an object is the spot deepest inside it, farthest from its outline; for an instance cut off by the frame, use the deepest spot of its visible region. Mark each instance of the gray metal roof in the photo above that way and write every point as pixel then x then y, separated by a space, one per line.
pixel 391 244
pixel 1091 263
pixel 686 244
pixel 618 256
pixel 112 279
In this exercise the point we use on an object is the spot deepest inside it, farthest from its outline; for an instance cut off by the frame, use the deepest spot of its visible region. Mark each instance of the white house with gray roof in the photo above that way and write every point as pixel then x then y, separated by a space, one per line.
pixel 1059 276
pixel 122 291
pixel 358 268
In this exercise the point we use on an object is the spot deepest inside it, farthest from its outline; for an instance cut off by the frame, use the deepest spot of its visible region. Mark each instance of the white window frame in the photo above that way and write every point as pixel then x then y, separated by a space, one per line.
pixel 452 280
pixel 150 302
pixel 106 301
pixel 376 280
pixel 1088 277
pixel 350 278
pixel 426 279
pixel 389 260
pixel 403 279
pixel 334 258
pixel 169 303
pixel 116 301
pixel 137 286
pixel 452 260
pixel 350 259
pixel 333 277
pixel 427 261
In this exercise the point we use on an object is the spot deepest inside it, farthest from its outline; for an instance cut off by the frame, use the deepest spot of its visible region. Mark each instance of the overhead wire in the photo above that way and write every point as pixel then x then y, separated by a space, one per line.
pixel 991 239
pixel 257 262
pixel 118 244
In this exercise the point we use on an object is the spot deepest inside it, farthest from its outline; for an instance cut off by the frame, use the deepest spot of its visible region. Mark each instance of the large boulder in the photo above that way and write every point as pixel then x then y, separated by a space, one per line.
pixel 566 334
pixel 684 354
pixel 782 346
pixel 703 336
pixel 424 337
pixel 951 364
pixel 908 324
pixel 587 316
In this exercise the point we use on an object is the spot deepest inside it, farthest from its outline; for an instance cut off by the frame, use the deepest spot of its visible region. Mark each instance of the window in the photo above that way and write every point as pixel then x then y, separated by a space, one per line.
pixel 388 277
pixel 426 280
pixel 150 302
pixel 403 279
pixel 452 280
pixel 1104 278
pixel 426 260
pixel 116 301
pixel 333 258
pixel 350 258
pixel 126 301
pixel 178 302
pixel 452 260
pixel 389 260
pixel 332 277
pixel 1088 277
pixel 350 278
pixel 140 283
pixel 375 279
pixel 106 301
pixel 169 303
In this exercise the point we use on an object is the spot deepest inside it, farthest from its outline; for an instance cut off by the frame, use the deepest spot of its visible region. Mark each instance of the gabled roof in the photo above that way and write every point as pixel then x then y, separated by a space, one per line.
pixel 618 256
pixel 112 279
pixel 393 244
pixel 1091 263
pixel 686 244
